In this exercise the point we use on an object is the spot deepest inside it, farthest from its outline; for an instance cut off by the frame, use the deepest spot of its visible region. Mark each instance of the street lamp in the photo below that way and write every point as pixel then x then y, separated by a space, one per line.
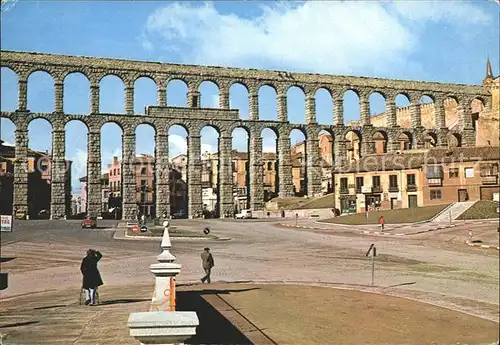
pixel 144 191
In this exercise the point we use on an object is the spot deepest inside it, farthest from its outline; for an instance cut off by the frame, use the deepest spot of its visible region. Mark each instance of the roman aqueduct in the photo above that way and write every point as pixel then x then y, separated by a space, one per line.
pixel 193 118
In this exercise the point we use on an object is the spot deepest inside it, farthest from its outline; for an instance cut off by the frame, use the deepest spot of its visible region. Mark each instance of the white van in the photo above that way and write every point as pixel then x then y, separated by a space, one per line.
pixel 244 214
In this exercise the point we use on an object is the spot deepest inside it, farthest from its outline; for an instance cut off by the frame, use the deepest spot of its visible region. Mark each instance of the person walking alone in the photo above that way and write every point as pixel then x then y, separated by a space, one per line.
pixel 207 262
pixel 382 222
pixel 91 276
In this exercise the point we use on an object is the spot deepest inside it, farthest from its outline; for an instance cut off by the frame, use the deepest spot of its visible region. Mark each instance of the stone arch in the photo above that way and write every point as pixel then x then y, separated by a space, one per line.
pixel 177 89
pixel 405 139
pixel 9 89
pixel 351 105
pixel 326 157
pixel 76 97
pixel 453 140
pixel 427 110
pixel 146 75
pixel 268 105
pixel 296 104
pixel 270 136
pixel 430 139
pixel 145 93
pixel 403 112
pixel 40 95
pixel 145 172
pixel 353 140
pixel 377 101
pixel 298 159
pixel 380 139
pixel 69 119
pixel 115 121
pixel 111 94
pixel 240 149
pixel 451 112
pixel 324 105
pixel 76 149
pixel 238 99
pixel 209 94
pixel 182 125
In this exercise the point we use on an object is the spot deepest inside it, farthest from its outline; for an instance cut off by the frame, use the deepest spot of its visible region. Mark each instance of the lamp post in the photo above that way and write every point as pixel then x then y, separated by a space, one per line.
pixel 144 191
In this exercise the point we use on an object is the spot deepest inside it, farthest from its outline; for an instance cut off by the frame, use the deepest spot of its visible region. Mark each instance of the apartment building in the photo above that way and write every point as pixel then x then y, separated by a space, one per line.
pixel 417 178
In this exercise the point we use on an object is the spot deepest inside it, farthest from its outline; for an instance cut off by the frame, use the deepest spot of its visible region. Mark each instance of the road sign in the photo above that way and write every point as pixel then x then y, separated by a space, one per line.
pixel 6 223
pixel 144 228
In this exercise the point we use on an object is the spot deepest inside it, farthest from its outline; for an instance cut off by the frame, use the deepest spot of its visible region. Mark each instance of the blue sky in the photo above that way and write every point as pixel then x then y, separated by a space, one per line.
pixel 442 41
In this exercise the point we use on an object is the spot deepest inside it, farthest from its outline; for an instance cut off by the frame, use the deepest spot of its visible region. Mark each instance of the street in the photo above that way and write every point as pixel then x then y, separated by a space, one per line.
pixel 46 255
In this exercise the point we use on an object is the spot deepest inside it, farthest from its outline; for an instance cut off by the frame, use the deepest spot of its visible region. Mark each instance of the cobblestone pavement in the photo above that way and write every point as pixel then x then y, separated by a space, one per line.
pixel 435 267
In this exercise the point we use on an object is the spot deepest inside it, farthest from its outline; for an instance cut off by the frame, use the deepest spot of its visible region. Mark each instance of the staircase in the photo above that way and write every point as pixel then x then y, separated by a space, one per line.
pixel 455 209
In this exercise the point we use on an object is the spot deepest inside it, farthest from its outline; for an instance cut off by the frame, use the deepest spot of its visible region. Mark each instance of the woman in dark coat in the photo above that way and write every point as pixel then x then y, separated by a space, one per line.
pixel 91 276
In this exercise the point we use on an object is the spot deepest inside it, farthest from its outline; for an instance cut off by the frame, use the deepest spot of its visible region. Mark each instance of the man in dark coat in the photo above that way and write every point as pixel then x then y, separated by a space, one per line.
pixel 207 262
pixel 91 276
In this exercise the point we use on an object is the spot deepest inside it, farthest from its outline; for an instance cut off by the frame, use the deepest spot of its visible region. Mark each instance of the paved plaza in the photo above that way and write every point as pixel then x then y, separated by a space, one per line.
pixel 436 267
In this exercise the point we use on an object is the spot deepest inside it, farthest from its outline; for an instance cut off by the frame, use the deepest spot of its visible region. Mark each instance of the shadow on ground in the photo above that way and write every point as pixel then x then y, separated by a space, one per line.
pixel 214 328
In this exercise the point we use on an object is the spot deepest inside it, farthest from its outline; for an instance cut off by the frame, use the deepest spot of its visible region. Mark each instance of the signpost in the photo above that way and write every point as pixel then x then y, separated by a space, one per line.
pixel 6 223
pixel 144 228
pixel 373 250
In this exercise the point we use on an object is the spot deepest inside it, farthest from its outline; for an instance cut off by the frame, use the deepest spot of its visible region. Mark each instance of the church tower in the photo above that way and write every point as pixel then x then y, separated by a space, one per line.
pixel 489 73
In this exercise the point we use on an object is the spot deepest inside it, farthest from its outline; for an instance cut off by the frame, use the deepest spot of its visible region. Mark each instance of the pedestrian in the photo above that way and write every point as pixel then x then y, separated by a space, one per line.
pixel 207 262
pixel 381 221
pixel 91 276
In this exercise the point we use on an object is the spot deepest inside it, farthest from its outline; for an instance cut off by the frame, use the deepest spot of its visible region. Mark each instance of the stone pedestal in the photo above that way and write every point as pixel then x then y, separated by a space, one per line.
pixel 162 325
pixel 163 328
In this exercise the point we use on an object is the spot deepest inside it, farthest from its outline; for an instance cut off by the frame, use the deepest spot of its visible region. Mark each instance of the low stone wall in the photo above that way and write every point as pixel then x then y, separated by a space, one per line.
pixel 305 213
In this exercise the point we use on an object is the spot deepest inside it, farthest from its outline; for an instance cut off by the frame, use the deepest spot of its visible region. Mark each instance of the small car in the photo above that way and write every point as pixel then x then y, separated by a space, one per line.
pixel 244 214
pixel 89 222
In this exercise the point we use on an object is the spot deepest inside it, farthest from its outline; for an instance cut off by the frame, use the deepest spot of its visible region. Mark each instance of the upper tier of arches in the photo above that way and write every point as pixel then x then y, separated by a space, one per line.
pixel 59 67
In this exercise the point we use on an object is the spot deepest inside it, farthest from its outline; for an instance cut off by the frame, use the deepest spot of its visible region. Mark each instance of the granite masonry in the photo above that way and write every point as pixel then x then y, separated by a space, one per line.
pixel 224 120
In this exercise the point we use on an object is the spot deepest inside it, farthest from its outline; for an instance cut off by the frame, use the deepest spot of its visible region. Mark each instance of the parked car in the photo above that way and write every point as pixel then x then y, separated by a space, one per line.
pixel 43 214
pixel 89 222
pixel 244 214
pixel 179 214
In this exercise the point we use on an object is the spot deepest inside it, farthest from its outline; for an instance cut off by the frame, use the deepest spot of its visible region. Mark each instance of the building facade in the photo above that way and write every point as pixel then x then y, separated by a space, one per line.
pixel 417 178
pixel 39 171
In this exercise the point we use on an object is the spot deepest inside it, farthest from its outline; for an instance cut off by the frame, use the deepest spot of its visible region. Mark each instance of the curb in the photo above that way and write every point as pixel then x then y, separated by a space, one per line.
pixel 366 232
pixel 482 246
pixel 124 236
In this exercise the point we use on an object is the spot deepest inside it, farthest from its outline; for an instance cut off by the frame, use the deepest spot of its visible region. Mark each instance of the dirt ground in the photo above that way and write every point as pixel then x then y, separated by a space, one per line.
pixel 245 314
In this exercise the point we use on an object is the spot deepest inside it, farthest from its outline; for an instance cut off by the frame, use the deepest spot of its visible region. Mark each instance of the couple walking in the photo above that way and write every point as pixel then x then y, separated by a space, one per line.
pixel 91 276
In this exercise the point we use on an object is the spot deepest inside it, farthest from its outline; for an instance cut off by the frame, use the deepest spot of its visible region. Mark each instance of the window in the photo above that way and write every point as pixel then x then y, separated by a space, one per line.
pixel 489 169
pixel 343 185
pixel 469 172
pixel 143 171
pixel 143 183
pixel 360 182
pixel 376 181
pixel 269 166
pixel 393 181
pixel 234 166
pixel 410 179
pixel 434 172
pixel 453 172
pixel 435 194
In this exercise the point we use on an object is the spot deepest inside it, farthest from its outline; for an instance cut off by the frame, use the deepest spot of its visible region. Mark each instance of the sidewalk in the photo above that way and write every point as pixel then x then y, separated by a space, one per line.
pixel 389 230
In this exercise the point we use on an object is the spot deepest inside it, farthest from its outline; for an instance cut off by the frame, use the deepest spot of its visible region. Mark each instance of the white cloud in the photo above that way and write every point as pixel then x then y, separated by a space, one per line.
pixel 177 145
pixel 208 148
pixel 107 158
pixel 328 37
pixel 6 143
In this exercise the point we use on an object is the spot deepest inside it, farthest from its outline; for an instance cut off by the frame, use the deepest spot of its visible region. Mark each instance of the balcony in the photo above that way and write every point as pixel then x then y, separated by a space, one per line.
pixel 493 179
pixel 358 190
pixel 344 190
pixel 376 189
pixel 393 189
pixel 411 188
pixel 434 182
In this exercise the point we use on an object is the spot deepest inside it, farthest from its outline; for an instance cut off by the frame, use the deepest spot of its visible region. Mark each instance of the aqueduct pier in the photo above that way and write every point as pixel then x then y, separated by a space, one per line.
pixel 224 120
